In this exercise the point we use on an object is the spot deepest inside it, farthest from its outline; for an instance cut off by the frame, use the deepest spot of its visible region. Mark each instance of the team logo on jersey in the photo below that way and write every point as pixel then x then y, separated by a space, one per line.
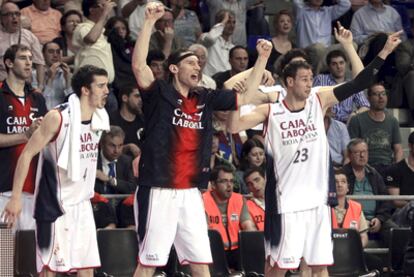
pixel 200 106
pixel 179 101
pixel 34 109
pixel 288 260
pixel 10 107
pixel 191 121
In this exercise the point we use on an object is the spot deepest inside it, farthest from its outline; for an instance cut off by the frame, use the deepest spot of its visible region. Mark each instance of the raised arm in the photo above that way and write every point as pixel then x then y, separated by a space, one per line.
pixel 142 71
pixel 345 38
pixel 332 95
pixel 98 27
pixel 39 139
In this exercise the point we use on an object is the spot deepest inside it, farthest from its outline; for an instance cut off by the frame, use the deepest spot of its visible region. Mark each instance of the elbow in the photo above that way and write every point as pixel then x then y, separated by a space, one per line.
pixel 232 128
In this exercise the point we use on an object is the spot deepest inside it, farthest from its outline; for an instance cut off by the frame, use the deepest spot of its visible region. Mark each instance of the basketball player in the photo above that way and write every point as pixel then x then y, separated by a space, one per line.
pixel 295 138
pixel 176 153
pixel 65 228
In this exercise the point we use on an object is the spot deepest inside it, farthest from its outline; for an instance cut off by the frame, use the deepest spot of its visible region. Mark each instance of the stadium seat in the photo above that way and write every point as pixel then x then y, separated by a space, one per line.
pixel 118 249
pixel 25 253
pixel 252 253
pixel 399 238
pixel 348 255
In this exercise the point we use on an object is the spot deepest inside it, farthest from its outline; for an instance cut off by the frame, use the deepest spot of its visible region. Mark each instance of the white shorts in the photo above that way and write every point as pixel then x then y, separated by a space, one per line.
pixel 304 234
pixel 165 217
pixel 73 243
pixel 25 220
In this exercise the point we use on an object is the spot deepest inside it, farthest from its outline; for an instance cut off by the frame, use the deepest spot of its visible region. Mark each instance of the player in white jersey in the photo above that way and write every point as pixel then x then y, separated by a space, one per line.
pixel 68 140
pixel 296 140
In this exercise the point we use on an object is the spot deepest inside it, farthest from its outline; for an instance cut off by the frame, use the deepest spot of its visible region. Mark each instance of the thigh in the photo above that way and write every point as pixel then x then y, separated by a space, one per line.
pixel 192 242
pixel 318 242
pixel 156 216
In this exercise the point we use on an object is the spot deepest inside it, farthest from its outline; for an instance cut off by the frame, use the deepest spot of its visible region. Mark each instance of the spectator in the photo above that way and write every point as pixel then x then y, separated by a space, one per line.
pixel 338 139
pixel 313 21
pixel 379 128
pixel 238 59
pixel 404 61
pixel 93 48
pixel 216 158
pixel 103 212
pixel 130 118
pixel 165 38
pixel 68 23
pixel 348 213
pixel 252 155
pixel 337 64
pixel 254 177
pixel 282 24
pixel 239 9
pixel 134 11
pixel 17 126
pixel 227 212
pixel 156 61
pixel 58 76
pixel 202 55
pixel 117 31
pixel 11 33
pixel 399 177
pixel 218 42
pixel 45 20
pixel 114 170
pixel 373 18
pixel 186 23
pixel 365 180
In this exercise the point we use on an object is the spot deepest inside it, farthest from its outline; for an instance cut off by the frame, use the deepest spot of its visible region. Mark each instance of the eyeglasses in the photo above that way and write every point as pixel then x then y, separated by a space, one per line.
pixel 11 14
pixel 225 181
pixel 382 93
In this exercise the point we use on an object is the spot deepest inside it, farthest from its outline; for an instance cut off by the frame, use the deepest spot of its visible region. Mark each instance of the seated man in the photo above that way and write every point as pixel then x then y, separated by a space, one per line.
pixel 227 212
pixel 114 173
pixel 399 176
pixel 365 180
pixel 254 178
pixel 103 212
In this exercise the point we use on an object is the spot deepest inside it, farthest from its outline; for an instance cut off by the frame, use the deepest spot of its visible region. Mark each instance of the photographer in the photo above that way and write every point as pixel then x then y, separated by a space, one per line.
pixel 57 77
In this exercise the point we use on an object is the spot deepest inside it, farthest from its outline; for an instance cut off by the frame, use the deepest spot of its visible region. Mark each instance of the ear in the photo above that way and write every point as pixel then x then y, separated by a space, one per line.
pixel 124 98
pixel 8 63
pixel 289 81
pixel 173 68
pixel 85 91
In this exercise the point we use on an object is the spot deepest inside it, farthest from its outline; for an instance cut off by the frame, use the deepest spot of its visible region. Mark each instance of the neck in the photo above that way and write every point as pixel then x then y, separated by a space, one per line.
pixel 16 85
pixel 339 80
pixel 128 116
pixel 377 115
pixel 86 110
pixel 218 199
pixel 281 37
pixel 183 90
pixel 341 201
pixel 294 104
pixel 359 172
pixel 377 5
pixel 226 37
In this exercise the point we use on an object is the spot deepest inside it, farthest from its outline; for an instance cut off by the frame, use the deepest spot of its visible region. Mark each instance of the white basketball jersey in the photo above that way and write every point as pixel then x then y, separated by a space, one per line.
pixel 298 144
pixel 69 192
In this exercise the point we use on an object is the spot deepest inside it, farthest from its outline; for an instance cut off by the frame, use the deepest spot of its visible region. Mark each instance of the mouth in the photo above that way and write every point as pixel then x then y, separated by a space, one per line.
pixel 194 77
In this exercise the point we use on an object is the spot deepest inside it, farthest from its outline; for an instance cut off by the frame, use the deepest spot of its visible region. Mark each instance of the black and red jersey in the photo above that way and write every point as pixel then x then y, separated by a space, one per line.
pixel 16 118
pixel 178 135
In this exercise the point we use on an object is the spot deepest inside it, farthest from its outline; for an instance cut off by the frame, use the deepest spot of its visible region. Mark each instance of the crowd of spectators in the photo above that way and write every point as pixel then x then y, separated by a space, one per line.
pixel 365 140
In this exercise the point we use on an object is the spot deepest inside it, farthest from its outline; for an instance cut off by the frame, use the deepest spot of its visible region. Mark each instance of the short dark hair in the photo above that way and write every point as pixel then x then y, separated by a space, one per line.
pixel 289 56
pixel 222 167
pixel 231 52
pixel 292 68
pixel 369 90
pixel 85 76
pixel 47 44
pixel 249 171
pixel 66 15
pixel 155 55
pixel 126 89
pixel 114 131
pixel 335 54
pixel 86 5
pixel 11 52
pixel 411 138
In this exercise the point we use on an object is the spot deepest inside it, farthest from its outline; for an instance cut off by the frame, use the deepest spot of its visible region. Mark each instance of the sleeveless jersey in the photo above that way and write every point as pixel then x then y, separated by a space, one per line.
pixel 54 179
pixel 298 144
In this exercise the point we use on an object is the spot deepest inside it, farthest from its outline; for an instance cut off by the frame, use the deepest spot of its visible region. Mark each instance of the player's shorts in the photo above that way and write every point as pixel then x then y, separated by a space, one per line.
pixel 73 244
pixel 25 220
pixel 304 234
pixel 171 216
